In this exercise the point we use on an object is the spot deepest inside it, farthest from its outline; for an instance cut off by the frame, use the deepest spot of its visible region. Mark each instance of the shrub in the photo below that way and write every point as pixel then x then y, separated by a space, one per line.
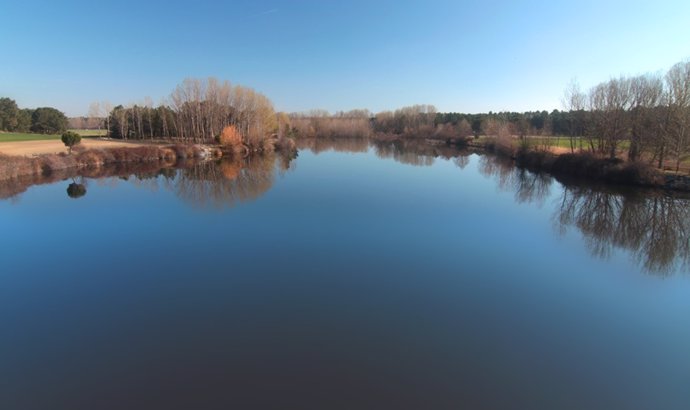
pixel 608 170
pixel 185 151
pixel 285 144
pixel 71 139
pixel 231 138
pixel 267 145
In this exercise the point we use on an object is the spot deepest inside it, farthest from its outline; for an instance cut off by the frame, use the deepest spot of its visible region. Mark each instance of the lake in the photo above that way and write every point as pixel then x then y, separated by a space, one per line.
pixel 356 276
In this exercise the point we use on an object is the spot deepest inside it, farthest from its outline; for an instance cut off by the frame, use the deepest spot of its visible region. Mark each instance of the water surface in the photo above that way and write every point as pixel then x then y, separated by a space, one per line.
pixel 361 277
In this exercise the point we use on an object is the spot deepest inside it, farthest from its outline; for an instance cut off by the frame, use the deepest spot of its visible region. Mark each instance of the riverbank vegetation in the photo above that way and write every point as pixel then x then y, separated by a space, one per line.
pixel 649 113
pixel 644 119
pixel 620 131
pixel 195 177
pixel 17 167
pixel 650 224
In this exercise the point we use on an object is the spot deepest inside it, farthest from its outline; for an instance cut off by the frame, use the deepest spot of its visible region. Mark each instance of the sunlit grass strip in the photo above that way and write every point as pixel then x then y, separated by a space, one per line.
pixel 25 136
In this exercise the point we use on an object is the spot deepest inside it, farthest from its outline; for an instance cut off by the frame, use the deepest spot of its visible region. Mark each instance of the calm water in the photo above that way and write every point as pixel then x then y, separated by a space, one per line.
pixel 376 279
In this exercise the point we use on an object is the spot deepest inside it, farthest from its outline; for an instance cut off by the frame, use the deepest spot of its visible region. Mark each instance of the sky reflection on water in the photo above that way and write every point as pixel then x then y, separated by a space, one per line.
pixel 344 280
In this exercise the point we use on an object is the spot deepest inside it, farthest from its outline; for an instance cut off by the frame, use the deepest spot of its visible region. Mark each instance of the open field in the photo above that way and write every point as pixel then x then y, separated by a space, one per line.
pixel 22 136
pixel 90 133
pixel 54 146
pixel 564 142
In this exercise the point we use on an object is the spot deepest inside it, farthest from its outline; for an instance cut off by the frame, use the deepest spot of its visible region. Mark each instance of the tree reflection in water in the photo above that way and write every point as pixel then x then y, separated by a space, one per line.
pixel 398 151
pixel 653 226
pixel 230 181
pixel 416 152
pixel 75 190
pixel 323 144
pixel 528 187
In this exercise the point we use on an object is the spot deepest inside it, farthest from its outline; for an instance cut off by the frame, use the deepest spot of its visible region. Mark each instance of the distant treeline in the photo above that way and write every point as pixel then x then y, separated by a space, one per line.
pixel 423 121
pixel 648 116
pixel 43 120
pixel 85 123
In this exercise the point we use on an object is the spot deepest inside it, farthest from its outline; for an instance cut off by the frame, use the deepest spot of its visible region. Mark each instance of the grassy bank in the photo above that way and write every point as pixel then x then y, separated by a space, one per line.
pixel 587 166
pixel 583 164
pixel 14 167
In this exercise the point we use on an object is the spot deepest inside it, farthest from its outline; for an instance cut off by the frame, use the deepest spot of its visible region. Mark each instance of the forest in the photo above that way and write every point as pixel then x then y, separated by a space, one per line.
pixel 43 120
pixel 198 111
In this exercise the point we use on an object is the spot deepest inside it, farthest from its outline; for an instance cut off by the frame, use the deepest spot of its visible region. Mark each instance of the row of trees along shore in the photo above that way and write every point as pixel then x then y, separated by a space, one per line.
pixel 651 112
pixel 423 121
pixel 198 111
pixel 647 116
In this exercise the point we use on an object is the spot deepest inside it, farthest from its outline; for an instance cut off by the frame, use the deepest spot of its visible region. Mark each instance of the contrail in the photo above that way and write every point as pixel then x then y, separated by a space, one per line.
pixel 271 11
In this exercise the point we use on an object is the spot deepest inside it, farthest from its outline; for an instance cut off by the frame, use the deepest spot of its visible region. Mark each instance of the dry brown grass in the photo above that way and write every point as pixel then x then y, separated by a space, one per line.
pixel 56 146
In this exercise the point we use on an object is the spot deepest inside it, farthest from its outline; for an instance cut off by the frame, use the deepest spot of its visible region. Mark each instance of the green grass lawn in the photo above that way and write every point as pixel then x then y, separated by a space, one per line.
pixel 90 133
pixel 564 142
pixel 21 136
pixel 561 142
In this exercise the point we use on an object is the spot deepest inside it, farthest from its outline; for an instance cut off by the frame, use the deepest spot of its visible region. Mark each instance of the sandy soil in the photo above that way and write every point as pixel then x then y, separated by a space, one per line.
pixel 29 148
pixel 561 150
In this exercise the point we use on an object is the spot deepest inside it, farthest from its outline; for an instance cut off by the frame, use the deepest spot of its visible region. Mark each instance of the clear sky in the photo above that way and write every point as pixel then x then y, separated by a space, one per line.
pixel 467 56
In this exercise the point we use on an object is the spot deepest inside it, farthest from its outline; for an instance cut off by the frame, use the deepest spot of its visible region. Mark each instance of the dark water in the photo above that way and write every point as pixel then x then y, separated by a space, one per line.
pixel 379 279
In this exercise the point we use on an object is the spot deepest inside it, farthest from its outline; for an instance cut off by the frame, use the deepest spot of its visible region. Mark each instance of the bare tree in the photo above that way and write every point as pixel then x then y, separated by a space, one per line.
pixel 574 101
pixel 465 129
pixel 148 108
pixel 646 92
pixel 678 103
pixel 205 107
pixel 609 103
pixel 95 114
pixel 105 108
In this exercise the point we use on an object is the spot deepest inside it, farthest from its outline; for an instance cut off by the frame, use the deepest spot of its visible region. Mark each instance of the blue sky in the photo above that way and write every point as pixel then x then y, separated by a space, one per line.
pixel 472 56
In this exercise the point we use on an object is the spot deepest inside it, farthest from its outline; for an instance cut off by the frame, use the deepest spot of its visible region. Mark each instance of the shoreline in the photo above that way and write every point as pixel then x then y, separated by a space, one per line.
pixel 583 166
pixel 580 166
pixel 44 165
